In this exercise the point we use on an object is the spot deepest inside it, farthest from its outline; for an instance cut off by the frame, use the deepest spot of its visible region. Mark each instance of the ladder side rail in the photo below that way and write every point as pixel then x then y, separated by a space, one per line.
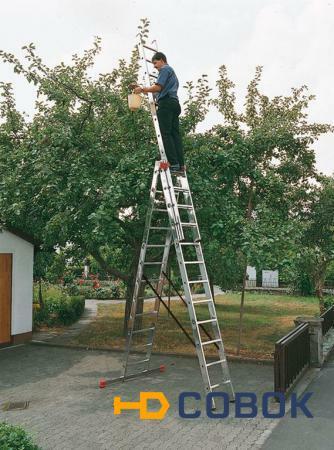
pixel 140 268
pixel 159 288
pixel 193 318
pixel 145 238
pixel 211 306
pixel 185 304
pixel 199 252
pixel 189 201
pixel 166 176
pixel 152 104
pixel 171 203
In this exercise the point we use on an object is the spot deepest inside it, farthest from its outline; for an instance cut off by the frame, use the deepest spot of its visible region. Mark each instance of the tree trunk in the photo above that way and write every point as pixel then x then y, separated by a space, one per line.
pixel 242 301
pixel 319 286
pixel 40 293
pixel 212 289
pixel 319 283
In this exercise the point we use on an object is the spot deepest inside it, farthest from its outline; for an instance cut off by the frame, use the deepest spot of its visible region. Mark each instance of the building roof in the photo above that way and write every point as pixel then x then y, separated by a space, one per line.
pixel 21 234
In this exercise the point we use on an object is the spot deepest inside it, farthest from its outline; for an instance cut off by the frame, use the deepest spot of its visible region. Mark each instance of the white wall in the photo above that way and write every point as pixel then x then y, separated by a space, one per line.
pixel 22 280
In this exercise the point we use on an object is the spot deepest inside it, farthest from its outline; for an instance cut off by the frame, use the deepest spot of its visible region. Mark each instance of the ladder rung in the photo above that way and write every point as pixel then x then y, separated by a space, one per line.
pixel 193 262
pixel 143 330
pixel 159 228
pixel 150 48
pixel 214 386
pixel 207 300
pixel 189 243
pixel 149 313
pixel 189 224
pixel 153 76
pixel 211 342
pixel 215 362
pixel 185 207
pixel 148 60
pixel 179 189
pixel 206 321
pixel 132 363
pixel 156 245
pixel 151 280
pixel 152 263
pixel 198 281
pixel 160 210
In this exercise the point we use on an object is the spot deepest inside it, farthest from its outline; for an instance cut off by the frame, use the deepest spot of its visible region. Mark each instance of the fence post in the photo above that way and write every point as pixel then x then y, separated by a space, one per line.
pixel 316 338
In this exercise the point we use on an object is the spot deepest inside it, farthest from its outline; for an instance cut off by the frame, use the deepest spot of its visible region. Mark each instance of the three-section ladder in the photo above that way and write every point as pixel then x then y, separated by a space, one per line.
pixel 171 220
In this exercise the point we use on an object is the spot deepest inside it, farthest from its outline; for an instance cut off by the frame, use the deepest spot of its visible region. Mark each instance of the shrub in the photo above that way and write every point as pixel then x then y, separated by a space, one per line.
pixel 328 302
pixel 15 438
pixel 198 288
pixel 105 292
pixel 59 308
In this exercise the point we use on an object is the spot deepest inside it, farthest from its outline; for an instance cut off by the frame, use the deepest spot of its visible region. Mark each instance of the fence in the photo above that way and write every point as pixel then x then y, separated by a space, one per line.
pixel 292 357
pixel 328 321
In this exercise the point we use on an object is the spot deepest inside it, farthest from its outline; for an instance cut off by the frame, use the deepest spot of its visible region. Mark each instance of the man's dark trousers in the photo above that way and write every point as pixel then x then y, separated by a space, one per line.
pixel 168 113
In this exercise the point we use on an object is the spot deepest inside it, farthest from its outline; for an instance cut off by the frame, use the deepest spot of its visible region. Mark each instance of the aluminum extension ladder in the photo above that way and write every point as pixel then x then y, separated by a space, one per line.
pixel 171 220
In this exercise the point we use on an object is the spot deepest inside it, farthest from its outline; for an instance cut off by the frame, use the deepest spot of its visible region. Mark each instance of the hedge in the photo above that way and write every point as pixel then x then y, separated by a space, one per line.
pixel 15 438
pixel 59 309
pixel 103 293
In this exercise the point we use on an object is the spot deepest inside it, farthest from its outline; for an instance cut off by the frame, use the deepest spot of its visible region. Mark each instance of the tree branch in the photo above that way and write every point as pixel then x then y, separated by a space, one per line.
pixel 105 266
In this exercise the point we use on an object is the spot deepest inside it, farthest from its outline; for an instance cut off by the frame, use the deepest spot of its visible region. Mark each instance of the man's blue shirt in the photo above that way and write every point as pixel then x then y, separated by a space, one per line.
pixel 168 81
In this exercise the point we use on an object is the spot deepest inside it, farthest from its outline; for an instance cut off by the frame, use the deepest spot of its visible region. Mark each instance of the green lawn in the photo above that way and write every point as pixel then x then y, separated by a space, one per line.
pixel 266 319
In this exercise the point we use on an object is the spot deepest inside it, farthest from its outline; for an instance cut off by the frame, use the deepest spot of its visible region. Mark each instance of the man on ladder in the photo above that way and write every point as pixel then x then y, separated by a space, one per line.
pixel 165 92
pixel 171 221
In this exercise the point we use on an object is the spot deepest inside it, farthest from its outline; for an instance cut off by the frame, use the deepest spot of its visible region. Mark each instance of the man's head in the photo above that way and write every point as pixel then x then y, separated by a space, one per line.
pixel 159 59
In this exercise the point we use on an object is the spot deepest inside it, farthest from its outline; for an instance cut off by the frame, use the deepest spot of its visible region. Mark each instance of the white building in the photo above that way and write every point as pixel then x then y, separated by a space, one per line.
pixel 16 287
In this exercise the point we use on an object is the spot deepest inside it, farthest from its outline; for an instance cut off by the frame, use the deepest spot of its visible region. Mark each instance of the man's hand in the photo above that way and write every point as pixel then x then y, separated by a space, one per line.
pixel 138 90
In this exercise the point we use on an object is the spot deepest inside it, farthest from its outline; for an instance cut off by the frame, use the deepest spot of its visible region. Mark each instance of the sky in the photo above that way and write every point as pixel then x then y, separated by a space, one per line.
pixel 292 40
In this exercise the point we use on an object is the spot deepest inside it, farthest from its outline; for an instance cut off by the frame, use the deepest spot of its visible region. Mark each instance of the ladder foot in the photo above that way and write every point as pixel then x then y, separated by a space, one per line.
pixel 162 368
pixel 102 383
pixel 164 165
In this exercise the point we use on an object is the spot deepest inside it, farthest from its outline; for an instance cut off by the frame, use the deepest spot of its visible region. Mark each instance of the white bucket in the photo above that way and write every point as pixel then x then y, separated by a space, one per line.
pixel 134 101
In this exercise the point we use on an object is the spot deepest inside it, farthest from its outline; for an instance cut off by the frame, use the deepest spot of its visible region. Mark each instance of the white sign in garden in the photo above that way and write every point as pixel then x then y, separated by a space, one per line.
pixel 270 278
pixel 251 277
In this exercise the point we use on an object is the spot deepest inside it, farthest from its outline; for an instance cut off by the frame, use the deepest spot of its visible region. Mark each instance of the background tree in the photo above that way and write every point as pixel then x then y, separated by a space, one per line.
pixel 253 175
pixel 79 172
pixel 317 251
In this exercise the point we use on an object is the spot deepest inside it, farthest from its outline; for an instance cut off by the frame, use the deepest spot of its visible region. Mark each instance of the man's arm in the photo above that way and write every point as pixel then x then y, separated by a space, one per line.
pixel 154 88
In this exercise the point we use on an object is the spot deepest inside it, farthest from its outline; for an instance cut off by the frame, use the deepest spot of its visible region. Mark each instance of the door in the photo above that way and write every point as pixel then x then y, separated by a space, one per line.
pixel 5 296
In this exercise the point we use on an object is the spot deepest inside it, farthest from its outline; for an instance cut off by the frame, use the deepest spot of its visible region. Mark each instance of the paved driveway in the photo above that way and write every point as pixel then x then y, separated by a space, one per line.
pixel 68 411
pixel 315 433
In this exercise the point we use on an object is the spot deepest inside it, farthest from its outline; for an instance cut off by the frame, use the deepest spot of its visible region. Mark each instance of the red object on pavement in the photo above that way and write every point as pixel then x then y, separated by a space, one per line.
pixel 164 165
pixel 102 383
pixel 162 368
